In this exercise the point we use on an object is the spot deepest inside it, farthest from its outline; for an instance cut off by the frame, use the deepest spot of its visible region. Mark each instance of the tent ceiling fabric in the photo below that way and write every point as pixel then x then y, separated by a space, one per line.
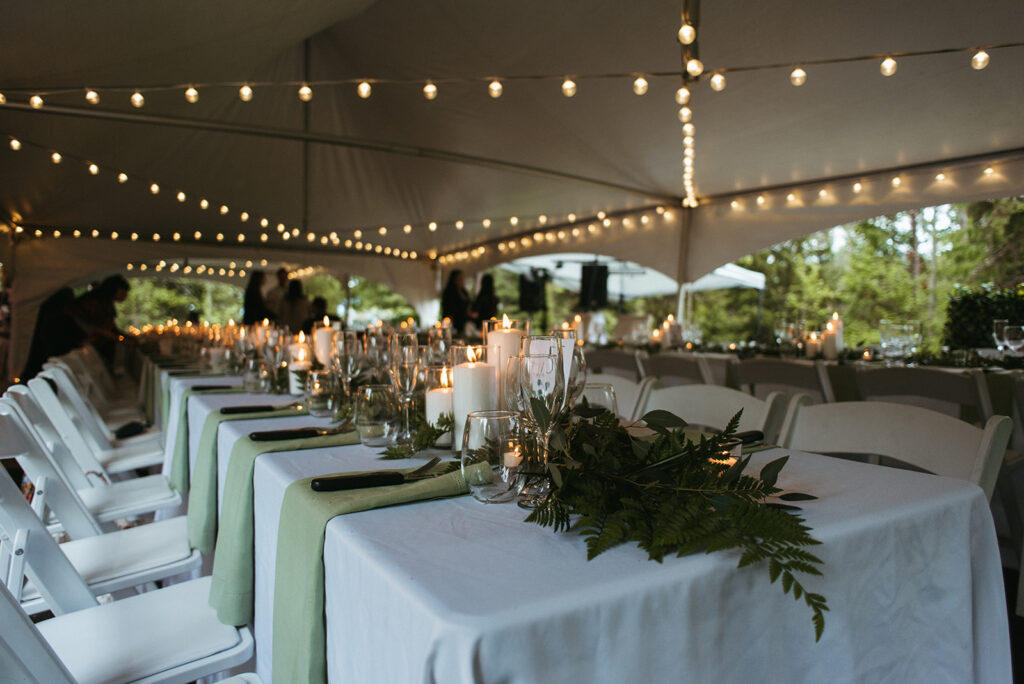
pixel 464 155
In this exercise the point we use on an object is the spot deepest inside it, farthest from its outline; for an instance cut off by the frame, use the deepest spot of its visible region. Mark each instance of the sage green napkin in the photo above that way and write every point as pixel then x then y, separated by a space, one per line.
pixel 202 495
pixel 300 633
pixel 232 584
pixel 165 388
pixel 179 459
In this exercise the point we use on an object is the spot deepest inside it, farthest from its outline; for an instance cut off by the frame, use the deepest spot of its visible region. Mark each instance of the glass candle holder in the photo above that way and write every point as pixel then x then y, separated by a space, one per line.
pixel 491 455
pixel 322 393
pixel 376 415
pixel 438 399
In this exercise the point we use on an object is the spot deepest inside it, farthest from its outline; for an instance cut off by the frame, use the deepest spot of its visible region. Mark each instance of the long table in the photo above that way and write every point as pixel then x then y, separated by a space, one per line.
pixel 458 591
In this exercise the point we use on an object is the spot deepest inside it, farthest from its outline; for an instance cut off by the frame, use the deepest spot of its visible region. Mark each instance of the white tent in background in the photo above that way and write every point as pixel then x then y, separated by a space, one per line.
pixel 724 277
pixel 333 179
pixel 626 279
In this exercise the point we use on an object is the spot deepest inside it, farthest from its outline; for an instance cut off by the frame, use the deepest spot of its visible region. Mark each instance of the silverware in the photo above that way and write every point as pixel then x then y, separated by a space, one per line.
pixel 257 408
pixel 297 433
pixel 378 478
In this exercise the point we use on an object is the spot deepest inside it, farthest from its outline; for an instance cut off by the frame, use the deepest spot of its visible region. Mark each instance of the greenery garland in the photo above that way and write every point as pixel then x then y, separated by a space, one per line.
pixel 671 495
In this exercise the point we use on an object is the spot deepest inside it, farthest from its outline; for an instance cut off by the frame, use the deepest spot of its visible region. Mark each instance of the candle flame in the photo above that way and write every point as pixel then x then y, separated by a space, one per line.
pixel 327 322
pixel 302 337
pixel 835 315
pixel 266 322
pixel 470 355
pixel 231 321
pixel 828 326
pixel 505 323
pixel 814 337
pixel 444 377
pixel 578 318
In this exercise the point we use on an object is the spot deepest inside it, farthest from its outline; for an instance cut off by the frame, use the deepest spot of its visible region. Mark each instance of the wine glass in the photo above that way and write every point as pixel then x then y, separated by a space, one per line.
pixel 405 377
pixel 601 395
pixel 491 455
pixel 1013 338
pixel 574 365
pixel 998 326
pixel 542 384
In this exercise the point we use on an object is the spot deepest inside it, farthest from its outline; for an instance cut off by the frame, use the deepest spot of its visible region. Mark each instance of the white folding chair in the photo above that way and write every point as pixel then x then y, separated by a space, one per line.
pixel 938 390
pixel 761 377
pixel 50 459
pixel 712 406
pixel 105 562
pixel 671 369
pixel 110 417
pixel 72 429
pixel 103 387
pixel 629 394
pixel 921 438
pixel 613 362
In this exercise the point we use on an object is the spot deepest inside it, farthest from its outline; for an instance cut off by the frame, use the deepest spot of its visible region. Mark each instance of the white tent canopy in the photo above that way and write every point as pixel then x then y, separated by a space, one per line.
pixel 625 278
pixel 480 180
pixel 725 277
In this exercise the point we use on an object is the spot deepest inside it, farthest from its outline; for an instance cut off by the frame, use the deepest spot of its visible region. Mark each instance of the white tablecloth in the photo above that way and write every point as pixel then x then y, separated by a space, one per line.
pixel 458 591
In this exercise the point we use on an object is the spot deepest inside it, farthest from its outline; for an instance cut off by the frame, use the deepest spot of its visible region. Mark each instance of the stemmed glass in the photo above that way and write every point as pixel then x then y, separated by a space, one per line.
pixel 405 377
pixel 574 366
pixel 1013 338
pixel 998 326
pixel 542 385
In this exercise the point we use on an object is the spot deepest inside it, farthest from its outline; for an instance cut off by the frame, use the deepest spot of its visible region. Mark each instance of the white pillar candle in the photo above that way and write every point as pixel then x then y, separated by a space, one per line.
pixel 829 349
pixel 323 337
pixel 474 390
pixel 296 381
pixel 812 345
pixel 837 327
pixel 439 401
pixel 502 343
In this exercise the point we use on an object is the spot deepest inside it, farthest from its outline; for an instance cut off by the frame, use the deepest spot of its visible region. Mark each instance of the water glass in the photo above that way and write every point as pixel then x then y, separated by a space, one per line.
pixel 252 375
pixel 1013 338
pixel 491 455
pixel 601 395
pixel 998 326
pixel 322 393
pixel 376 415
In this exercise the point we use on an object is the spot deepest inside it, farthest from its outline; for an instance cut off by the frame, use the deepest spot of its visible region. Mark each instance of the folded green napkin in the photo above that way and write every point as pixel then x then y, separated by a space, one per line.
pixel 299 648
pixel 202 495
pixel 232 584
pixel 179 459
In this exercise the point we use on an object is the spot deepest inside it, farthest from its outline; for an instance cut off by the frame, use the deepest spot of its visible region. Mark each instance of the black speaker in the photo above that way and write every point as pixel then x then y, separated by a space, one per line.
pixel 531 291
pixel 593 287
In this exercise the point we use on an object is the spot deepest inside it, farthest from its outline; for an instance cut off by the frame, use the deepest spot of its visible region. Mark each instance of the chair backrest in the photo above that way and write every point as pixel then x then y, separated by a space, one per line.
pixel 613 362
pixel 721 366
pixel 939 390
pixel 760 377
pixel 928 440
pixel 68 426
pixel 629 394
pixel 714 406
pixel 671 369
pixel 20 442
pixel 75 404
pixel 44 563
pixel 24 654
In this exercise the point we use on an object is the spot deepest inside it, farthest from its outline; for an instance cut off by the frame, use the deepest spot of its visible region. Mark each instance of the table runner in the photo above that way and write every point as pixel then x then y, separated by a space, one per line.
pixel 179 475
pixel 165 386
pixel 231 591
pixel 202 495
pixel 299 576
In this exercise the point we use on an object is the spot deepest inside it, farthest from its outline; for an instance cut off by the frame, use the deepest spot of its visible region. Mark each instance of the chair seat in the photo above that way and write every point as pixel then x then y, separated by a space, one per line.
pixel 131 457
pixel 104 558
pixel 129 497
pixel 139 636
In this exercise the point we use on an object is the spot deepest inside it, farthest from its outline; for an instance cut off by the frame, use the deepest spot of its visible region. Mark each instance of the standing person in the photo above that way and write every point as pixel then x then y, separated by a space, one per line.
pixel 275 295
pixel 317 311
pixel 294 307
pixel 56 332
pixel 96 311
pixel 485 306
pixel 254 307
pixel 455 302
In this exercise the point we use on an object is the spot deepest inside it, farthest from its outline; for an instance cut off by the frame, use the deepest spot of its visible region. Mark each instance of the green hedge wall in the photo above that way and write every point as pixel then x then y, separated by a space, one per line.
pixel 969 315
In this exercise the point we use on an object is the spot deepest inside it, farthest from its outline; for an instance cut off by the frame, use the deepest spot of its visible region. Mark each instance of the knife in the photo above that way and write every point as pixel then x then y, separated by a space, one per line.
pixel 296 433
pixel 749 437
pixel 204 388
pixel 378 478
pixel 256 408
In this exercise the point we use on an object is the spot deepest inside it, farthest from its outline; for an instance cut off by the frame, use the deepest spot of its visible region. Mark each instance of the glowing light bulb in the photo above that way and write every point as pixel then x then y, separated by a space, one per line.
pixel 640 85
pixel 15 144
pixel 364 89
pixel 989 171
pixel 224 209
pixel 568 87
pixel 734 204
pixel 683 95
pixel 791 197
pixel 245 93
pixel 244 216
pixel 137 99
pixel 407 229
pixel 459 225
pixel 383 230
pixel 495 89
pixel 432 226
pixel 717 82
pixel 572 218
pixel 514 220
pixel 181 196
pixel 486 223
pixel 92 97
pixel 191 95
pixel 93 169
pixel 896 181
pixel 154 188
pixel 760 200
pixel 980 60
pixel 798 76
pixel 940 177
pixel 35 102
pixel 264 222
pixel 305 92
pixel 689 129
pixel 204 204
pixel 430 91
pixel 176 236
pixel 3 99
pixel 694 67
pixel 888 66
pixel 687 34
pixel 56 158
pixel 823 193
pixel 857 187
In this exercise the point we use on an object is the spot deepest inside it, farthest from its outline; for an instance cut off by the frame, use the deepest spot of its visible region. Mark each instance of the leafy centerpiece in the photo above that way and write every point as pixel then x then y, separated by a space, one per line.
pixel 673 495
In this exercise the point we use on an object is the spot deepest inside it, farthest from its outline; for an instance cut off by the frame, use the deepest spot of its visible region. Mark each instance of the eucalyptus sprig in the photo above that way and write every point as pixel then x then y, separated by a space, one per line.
pixel 424 437
pixel 673 495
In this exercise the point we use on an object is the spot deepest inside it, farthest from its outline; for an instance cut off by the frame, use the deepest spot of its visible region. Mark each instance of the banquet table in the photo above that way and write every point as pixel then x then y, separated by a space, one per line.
pixel 458 591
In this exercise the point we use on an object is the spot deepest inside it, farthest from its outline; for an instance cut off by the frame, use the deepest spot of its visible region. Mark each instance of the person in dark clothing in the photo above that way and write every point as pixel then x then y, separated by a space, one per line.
pixel 485 306
pixel 317 311
pixel 254 308
pixel 96 310
pixel 56 332
pixel 455 302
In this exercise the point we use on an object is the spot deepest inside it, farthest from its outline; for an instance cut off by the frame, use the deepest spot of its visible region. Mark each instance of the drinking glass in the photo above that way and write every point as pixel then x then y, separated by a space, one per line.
pixel 405 377
pixel 574 366
pixel 322 393
pixel 542 383
pixel 914 336
pixel 252 375
pixel 998 325
pixel 376 415
pixel 491 455
pixel 601 395
pixel 1013 338
pixel 346 356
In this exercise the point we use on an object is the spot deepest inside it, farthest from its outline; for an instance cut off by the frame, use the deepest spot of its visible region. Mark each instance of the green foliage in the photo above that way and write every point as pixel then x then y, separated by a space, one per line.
pixel 667 495
pixel 156 300
pixel 425 436
pixel 969 314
